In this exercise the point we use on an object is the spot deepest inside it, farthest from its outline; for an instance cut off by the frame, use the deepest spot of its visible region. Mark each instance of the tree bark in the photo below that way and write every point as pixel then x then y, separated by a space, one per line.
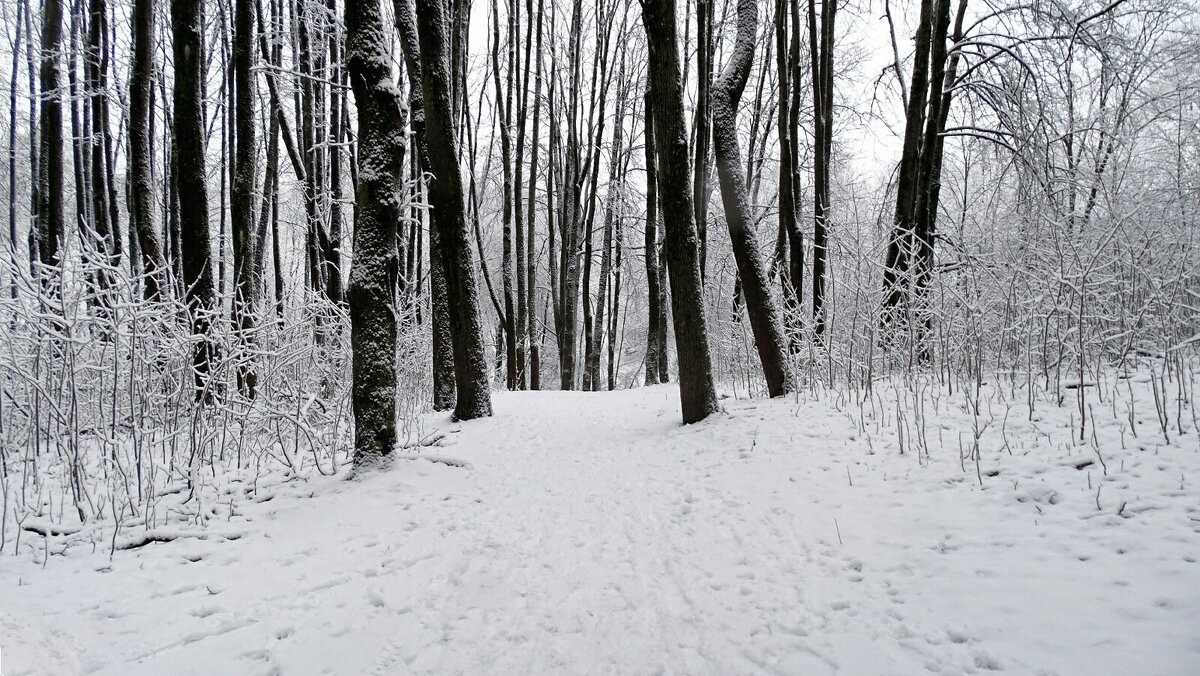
pixel 698 396
pixel 656 365
pixel 765 318
pixel 188 160
pixel 443 346
pixel 374 272
pixel 447 200
pixel 141 216
pixel 821 52
pixel 50 179
pixel 242 189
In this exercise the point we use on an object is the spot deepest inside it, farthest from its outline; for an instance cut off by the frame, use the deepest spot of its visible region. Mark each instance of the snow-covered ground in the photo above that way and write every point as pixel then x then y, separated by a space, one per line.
pixel 591 533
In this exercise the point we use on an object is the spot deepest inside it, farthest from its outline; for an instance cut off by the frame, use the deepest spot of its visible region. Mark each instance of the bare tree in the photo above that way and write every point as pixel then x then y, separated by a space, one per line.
pixel 50 180
pixel 698 396
pixel 141 216
pixel 191 182
pixel 374 273
pixel 765 318
pixel 446 198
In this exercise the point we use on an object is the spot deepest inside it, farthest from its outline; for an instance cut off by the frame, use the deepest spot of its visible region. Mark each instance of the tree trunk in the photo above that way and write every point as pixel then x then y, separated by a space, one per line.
pixel 789 231
pixel 535 376
pixel 764 315
pixel 141 217
pixel 373 273
pixel 242 189
pixel 50 179
pixel 703 124
pixel 188 161
pixel 443 346
pixel 821 51
pixel 698 396
pixel 14 257
pixel 615 181
pixel 446 198
pixel 656 366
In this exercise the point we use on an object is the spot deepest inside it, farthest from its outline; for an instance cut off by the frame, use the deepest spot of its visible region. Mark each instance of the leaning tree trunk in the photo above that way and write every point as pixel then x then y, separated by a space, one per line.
pixel 764 315
pixel 141 218
pixel 446 198
pixel 374 273
pixel 697 391
pixel 188 158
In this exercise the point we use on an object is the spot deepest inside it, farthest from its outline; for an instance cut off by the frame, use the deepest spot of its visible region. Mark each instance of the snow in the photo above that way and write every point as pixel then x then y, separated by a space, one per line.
pixel 591 533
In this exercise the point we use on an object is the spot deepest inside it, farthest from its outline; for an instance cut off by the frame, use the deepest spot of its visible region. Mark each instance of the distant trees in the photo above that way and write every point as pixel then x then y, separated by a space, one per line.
pixel 568 171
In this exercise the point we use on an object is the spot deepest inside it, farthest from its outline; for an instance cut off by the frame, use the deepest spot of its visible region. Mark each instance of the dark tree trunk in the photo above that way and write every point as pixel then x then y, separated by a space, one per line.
pixel 789 230
pixel 141 217
pixel 374 273
pixel 104 221
pixel 703 124
pixel 446 198
pixel 698 395
pixel 615 181
pixel 752 274
pixel 50 179
pixel 909 261
pixel 337 126
pixel 242 188
pixel 535 376
pixel 188 160
pixel 656 364
pixel 14 257
pixel 443 345
pixel 503 102
pixel 821 51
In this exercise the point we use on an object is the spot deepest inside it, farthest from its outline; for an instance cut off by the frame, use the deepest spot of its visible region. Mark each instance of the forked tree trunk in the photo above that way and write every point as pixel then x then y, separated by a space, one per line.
pixel 765 318
pixel 697 391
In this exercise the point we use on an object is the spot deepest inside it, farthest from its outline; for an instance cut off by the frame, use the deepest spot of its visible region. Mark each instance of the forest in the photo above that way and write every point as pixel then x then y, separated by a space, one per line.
pixel 265 250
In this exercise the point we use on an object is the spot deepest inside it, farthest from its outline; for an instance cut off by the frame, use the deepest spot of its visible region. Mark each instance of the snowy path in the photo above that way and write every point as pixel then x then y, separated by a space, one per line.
pixel 592 534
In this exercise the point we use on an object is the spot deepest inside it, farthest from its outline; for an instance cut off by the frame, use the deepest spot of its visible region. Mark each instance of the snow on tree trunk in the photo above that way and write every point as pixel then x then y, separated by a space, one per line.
pixel 374 273
pixel 188 158
pixel 449 206
pixel 697 392
pixel 765 318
